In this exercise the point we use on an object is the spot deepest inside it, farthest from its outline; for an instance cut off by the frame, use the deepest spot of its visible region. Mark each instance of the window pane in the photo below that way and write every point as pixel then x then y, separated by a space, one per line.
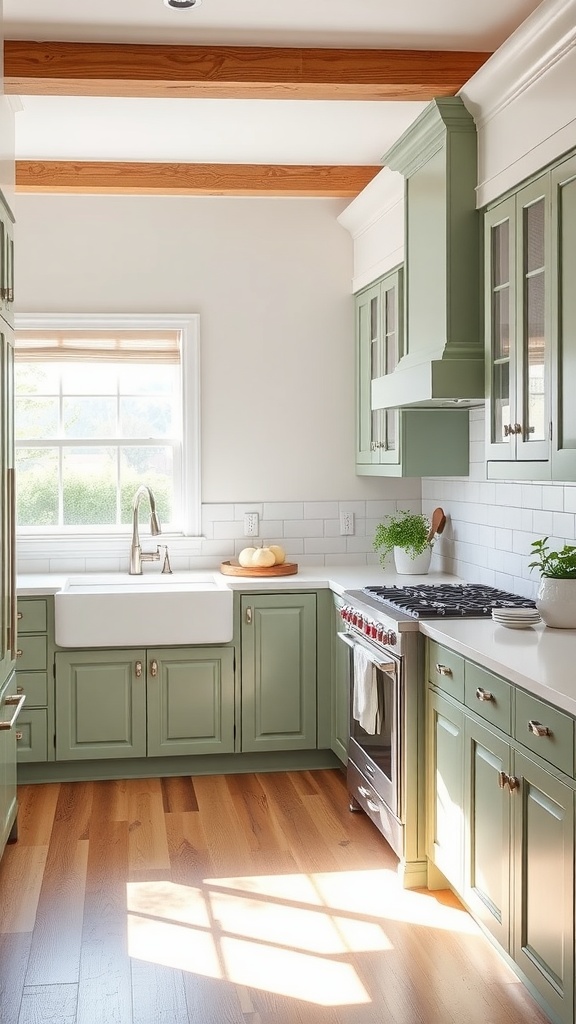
pixel 147 378
pixel 534 236
pixel 89 417
pixel 152 466
pixel 501 254
pixel 37 490
pixel 89 486
pixel 36 417
pixel 36 379
pixel 87 378
pixel 147 417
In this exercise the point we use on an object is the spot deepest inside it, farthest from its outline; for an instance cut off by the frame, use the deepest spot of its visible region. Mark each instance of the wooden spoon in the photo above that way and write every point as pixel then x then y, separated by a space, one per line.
pixel 437 523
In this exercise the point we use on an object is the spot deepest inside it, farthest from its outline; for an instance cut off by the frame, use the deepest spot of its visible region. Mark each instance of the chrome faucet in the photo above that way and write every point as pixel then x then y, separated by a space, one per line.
pixel 137 556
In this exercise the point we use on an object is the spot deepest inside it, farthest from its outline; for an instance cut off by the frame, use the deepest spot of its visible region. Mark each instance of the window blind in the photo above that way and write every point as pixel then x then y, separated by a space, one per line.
pixel 115 346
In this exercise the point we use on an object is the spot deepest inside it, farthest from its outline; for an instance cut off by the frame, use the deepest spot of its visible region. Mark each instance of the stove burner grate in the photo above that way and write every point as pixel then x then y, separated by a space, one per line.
pixel 451 600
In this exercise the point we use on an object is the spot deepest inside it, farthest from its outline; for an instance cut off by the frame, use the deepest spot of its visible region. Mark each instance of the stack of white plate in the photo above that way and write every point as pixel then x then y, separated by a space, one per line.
pixel 516 618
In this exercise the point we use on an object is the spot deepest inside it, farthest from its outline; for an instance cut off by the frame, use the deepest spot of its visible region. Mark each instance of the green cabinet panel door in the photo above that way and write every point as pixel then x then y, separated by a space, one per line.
pixel 488 837
pixel 543 944
pixel 8 800
pixel 445 788
pixel 100 704
pixel 340 689
pixel 564 320
pixel 190 701
pixel 279 671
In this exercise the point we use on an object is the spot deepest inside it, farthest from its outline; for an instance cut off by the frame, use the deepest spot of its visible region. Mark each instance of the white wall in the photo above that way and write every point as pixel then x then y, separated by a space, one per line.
pixel 271 280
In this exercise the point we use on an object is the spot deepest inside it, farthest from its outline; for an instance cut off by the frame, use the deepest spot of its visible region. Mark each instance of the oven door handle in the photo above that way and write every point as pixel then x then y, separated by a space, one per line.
pixel 385 666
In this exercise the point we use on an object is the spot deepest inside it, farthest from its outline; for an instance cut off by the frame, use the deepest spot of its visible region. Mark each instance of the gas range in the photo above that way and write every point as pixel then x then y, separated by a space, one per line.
pixel 384 613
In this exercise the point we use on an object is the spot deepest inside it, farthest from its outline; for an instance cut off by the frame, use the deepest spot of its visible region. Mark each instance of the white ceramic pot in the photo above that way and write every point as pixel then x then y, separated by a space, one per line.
pixel 556 602
pixel 408 566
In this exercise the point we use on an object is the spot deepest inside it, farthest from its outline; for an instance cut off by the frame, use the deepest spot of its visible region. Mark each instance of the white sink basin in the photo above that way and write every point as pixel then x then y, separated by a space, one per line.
pixel 118 610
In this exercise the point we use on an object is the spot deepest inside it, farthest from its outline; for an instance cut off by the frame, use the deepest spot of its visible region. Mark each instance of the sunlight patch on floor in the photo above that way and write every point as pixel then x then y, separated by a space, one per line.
pixel 284 934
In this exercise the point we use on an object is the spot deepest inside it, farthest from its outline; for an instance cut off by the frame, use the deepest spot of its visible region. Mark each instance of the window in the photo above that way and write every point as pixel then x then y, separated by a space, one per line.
pixel 102 405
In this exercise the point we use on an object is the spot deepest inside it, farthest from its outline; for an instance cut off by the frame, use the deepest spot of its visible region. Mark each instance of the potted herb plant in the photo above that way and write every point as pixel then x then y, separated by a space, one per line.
pixel 407 534
pixel 556 598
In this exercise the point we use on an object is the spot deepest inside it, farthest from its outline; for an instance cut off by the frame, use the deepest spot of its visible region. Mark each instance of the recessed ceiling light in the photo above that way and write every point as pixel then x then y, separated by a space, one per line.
pixel 181 5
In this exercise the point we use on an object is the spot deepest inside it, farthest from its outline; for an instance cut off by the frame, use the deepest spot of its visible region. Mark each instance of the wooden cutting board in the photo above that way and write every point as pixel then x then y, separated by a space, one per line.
pixel 233 568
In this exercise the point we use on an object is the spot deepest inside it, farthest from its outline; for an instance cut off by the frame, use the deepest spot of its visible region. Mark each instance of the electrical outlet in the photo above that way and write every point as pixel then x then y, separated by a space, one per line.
pixel 346 523
pixel 251 527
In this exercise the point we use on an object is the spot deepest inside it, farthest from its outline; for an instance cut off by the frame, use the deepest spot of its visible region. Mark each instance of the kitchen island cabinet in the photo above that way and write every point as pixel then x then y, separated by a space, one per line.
pixel 516 809
pixel 144 703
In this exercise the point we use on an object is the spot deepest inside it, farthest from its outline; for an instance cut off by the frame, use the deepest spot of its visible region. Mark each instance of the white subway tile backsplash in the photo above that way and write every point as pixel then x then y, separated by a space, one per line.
pixel 304 528
pixel 563 524
pixel 324 545
pixel 542 522
pixel 553 498
pixel 283 510
pixel 570 499
pixel 321 510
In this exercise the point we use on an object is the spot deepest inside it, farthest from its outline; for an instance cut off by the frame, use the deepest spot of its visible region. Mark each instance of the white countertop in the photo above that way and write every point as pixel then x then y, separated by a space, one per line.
pixel 539 659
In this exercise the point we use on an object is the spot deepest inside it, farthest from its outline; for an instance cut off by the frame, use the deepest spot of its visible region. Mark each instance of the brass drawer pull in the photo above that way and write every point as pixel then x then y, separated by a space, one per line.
pixel 503 779
pixel 537 729
pixel 19 653
pixel 153 667
pixel 19 735
pixel 443 670
pixel 513 783
pixel 19 702
pixel 248 617
pixel 19 615
pixel 482 694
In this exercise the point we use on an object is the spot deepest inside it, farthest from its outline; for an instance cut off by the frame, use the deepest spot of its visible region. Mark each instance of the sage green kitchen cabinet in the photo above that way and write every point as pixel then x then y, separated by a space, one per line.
pixel 340 688
pixel 8 798
pixel 137 703
pixel 488 829
pixel 564 320
pixel 445 787
pixel 278 671
pixel 6 262
pixel 398 442
pixel 518 272
pixel 516 809
pixel 190 701
pixel 34 677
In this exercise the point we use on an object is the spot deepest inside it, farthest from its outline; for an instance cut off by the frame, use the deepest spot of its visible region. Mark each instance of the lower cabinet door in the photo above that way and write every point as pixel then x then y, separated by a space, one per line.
pixel 278 671
pixel 487 846
pixel 100 704
pixel 32 736
pixel 445 751
pixel 8 798
pixel 543 948
pixel 191 701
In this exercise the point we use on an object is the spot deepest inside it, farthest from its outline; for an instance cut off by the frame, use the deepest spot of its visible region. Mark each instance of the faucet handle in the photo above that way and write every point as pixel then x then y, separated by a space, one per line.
pixel 166 567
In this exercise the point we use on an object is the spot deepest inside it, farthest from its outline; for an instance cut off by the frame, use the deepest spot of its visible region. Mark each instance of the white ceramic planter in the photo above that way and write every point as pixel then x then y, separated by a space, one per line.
pixel 556 602
pixel 408 566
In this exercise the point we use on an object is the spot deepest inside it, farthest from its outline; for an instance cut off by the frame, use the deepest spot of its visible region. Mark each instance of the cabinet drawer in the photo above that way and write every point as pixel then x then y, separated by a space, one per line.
pixel 557 743
pixel 32 616
pixel 34 653
pixel 35 686
pixel 488 695
pixel 32 736
pixel 446 670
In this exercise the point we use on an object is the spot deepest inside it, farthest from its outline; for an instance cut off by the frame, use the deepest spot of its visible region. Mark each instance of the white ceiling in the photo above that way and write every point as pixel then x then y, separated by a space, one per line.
pixel 241 131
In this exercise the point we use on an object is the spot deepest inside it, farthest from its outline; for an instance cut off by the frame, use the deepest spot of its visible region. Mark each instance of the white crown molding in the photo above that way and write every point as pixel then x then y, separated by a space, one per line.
pixel 539 43
pixel 381 194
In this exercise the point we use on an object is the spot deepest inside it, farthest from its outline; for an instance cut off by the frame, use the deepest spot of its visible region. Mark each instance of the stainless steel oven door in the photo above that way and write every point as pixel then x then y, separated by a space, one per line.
pixel 374 746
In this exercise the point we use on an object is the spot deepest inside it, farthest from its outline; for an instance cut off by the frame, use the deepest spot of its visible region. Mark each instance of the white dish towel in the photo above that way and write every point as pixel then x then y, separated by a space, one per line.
pixel 365 696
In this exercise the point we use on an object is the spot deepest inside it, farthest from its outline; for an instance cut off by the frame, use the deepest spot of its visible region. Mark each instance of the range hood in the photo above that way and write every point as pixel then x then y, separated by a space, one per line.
pixel 442 364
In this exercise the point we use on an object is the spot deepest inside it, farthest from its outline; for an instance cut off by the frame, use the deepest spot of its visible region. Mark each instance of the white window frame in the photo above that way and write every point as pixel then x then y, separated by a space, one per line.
pixel 189 326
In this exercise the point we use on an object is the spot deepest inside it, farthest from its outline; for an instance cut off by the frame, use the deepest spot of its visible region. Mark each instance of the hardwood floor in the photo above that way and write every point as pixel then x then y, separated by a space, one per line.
pixel 244 899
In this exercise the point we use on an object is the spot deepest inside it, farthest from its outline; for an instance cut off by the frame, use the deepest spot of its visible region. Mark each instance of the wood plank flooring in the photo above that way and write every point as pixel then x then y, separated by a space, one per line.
pixel 244 899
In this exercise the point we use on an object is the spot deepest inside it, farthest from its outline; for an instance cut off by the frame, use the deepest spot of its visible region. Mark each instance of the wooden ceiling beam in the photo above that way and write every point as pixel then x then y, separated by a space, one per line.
pixel 116 178
pixel 233 72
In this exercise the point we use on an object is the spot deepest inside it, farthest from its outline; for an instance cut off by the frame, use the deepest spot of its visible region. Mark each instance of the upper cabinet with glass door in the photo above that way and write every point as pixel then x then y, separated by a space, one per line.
pixel 517 255
pixel 378 313
pixel 398 442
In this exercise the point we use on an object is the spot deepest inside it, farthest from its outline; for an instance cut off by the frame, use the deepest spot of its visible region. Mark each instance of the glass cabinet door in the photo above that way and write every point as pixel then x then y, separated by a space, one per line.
pixel 500 326
pixel 379 333
pixel 533 417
